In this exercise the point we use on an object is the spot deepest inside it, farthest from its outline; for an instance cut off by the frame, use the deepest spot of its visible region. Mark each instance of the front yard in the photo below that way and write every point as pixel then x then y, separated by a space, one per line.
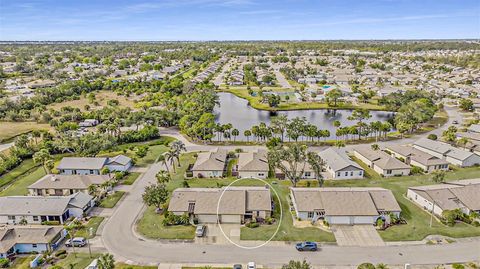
pixel 111 200
pixel 93 224
pixel 150 226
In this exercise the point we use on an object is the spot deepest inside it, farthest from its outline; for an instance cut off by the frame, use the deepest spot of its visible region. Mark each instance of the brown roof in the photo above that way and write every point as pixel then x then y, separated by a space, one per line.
pixel 253 161
pixel 345 201
pixel 235 200
pixel 211 161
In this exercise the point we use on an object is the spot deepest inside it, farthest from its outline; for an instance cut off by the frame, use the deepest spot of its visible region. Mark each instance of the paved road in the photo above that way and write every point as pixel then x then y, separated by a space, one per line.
pixel 119 238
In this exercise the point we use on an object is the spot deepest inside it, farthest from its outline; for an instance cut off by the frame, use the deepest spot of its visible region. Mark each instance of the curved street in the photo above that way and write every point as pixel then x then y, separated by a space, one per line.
pixel 120 239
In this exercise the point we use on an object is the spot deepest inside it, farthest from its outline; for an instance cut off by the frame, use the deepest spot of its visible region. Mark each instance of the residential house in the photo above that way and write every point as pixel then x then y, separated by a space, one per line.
pixel 453 155
pixel 93 165
pixel 461 194
pixel 252 164
pixel 64 185
pixel 415 157
pixel 88 123
pixel 381 162
pixel 38 209
pixel 474 128
pixel 210 164
pixel 29 239
pixel 344 205
pixel 308 172
pixel 339 166
pixel 233 204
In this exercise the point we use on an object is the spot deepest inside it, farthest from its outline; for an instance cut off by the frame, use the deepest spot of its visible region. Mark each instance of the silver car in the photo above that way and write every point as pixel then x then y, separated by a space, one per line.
pixel 200 231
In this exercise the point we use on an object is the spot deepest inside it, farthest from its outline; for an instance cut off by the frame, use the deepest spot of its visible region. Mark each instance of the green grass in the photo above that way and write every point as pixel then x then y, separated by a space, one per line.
pixel 255 102
pixel 93 223
pixel 111 200
pixel 130 178
pixel 22 262
pixel 121 265
pixel 418 220
pixel 24 168
pixel 231 164
pixel 81 260
pixel 19 186
pixel 150 226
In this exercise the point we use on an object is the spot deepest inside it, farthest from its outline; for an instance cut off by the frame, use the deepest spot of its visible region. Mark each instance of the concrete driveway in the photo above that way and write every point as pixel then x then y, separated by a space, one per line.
pixel 214 234
pixel 357 235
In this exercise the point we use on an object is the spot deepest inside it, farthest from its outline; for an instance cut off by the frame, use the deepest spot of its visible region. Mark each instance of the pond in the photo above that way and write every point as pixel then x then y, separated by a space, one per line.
pixel 242 116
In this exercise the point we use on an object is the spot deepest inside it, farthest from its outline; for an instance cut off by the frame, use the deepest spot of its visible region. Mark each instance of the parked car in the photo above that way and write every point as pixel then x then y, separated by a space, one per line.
pixel 200 231
pixel 455 122
pixel 76 242
pixel 251 265
pixel 237 266
pixel 310 246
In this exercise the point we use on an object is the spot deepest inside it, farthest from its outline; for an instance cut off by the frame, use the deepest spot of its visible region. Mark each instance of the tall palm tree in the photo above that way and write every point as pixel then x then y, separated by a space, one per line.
pixel 170 156
pixel 106 261
pixel 162 159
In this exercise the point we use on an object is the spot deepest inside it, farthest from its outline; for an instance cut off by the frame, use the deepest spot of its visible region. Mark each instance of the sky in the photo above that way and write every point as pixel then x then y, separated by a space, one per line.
pixel 168 20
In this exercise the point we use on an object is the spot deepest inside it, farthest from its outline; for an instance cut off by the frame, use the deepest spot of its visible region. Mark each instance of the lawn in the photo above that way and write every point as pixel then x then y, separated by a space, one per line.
pixel 130 178
pixel 111 200
pixel 417 227
pixel 24 168
pixel 254 101
pixel 22 262
pixel 93 223
pixel 81 260
pixel 150 226
pixel 102 97
pixel 20 183
pixel 9 130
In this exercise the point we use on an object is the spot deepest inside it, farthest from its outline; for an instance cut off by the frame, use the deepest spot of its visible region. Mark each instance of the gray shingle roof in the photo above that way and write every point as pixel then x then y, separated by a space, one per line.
pixel 78 182
pixel 337 159
pixel 38 205
pixel 211 161
pixel 119 159
pixel 82 163
pixel 9 236
pixel 253 161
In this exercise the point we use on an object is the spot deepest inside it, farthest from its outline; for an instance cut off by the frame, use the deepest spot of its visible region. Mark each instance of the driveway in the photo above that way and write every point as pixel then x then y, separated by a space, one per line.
pixel 357 235
pixel 214 234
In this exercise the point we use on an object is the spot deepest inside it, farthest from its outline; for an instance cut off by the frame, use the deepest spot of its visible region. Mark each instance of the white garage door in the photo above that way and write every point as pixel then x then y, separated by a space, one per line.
pixel 363 220
pixel 230 218
pixel 340 220
pixel 207 218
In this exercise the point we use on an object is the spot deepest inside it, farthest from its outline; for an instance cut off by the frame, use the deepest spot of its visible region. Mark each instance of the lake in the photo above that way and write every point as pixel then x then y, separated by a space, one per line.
pixel 242 116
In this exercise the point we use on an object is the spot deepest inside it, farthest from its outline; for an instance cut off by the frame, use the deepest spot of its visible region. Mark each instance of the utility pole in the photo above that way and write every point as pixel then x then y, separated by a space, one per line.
pixel 90 233
pixel 431 214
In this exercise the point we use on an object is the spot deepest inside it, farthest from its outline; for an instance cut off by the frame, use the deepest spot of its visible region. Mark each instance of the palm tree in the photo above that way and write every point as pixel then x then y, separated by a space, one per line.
pixel 235 133
pixel 106 261
pixel 247 134
pixel 170 156
pixel 163 177
pixel 375 146
pixel 43 156
pixel 162 159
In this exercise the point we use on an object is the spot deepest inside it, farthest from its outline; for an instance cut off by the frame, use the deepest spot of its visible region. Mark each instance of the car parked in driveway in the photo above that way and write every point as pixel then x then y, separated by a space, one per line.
pixel 200 230
pixel 251 265
pixel 76 242
pixel 237 266
pixel 306 246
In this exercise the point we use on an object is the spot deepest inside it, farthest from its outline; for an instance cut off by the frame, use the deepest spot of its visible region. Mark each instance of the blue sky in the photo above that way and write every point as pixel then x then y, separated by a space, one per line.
pixel 238 19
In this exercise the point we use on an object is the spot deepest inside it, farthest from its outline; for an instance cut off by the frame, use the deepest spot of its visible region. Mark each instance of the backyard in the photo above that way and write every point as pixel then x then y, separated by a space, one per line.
pixel 8 130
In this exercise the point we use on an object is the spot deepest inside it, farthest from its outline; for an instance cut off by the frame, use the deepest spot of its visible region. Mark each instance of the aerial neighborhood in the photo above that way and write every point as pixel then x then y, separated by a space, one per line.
pixel 185 154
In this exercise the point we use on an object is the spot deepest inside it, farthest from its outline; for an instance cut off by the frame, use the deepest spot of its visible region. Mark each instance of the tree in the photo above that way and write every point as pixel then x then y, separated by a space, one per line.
pixel 171 156
pixel 161 158
pixel 155 195
pixel 72 229
pixel 317 164
pixel 235 133
pixel 296 128
pixel 463 141
pixel 366 265
pixel 106 261
pixel 297 265
pixel 466 104
pixel 247 134
pixel 334 95
pixel 438 176
pixel 291 160
pixel 450 134
pixel 279 125
pixel 43 156
pixel 163 177
pixel 375 146
pixel 339 144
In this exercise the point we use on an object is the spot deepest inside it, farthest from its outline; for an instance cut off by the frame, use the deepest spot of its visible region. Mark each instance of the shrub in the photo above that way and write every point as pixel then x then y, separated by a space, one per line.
pixel 366 265
pixel 432 137
pixel 416 170
pixel 252 225
pixel 52 222
pixel 269 220
pixel 4 263
pixel 61 257
pixel 56 267
pixel 60 252
pixel 476 223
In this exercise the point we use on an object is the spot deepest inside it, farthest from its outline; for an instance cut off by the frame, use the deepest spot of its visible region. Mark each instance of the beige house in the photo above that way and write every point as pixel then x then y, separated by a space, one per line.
pixel 252 164
pixel 210 164
pixel 415 157
pixel 64 185
pixel 308 172
pixel 381 162
pixel 461 194
pixel 346 206
pixel 234 204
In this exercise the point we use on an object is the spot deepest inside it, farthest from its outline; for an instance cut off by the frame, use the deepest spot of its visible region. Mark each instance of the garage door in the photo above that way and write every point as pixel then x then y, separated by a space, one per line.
pixel 339 220
pixel 207 218
pixel 230 218
pixel 363 220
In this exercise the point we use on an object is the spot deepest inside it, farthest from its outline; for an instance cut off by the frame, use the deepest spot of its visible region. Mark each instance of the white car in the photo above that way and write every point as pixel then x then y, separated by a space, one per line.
pixel 251 265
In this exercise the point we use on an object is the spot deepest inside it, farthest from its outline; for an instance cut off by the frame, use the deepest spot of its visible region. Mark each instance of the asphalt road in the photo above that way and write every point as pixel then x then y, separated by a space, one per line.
pixel 120 239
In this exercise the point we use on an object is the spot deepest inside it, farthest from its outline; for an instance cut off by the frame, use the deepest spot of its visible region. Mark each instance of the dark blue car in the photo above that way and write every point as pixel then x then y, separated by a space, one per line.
pixel 306 246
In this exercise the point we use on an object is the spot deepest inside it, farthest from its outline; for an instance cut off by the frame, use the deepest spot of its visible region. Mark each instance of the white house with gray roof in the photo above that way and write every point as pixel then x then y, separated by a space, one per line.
pixel 235 204
pixel 381 162
pixel 38 209
pixel 347 206
pixel 413 156
pixel 27 239
pixel 461 194
pixel 93 165
pixel 64 185
pixel 210 164
pixel 339 166
pixel 453 155
pixel 253 164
